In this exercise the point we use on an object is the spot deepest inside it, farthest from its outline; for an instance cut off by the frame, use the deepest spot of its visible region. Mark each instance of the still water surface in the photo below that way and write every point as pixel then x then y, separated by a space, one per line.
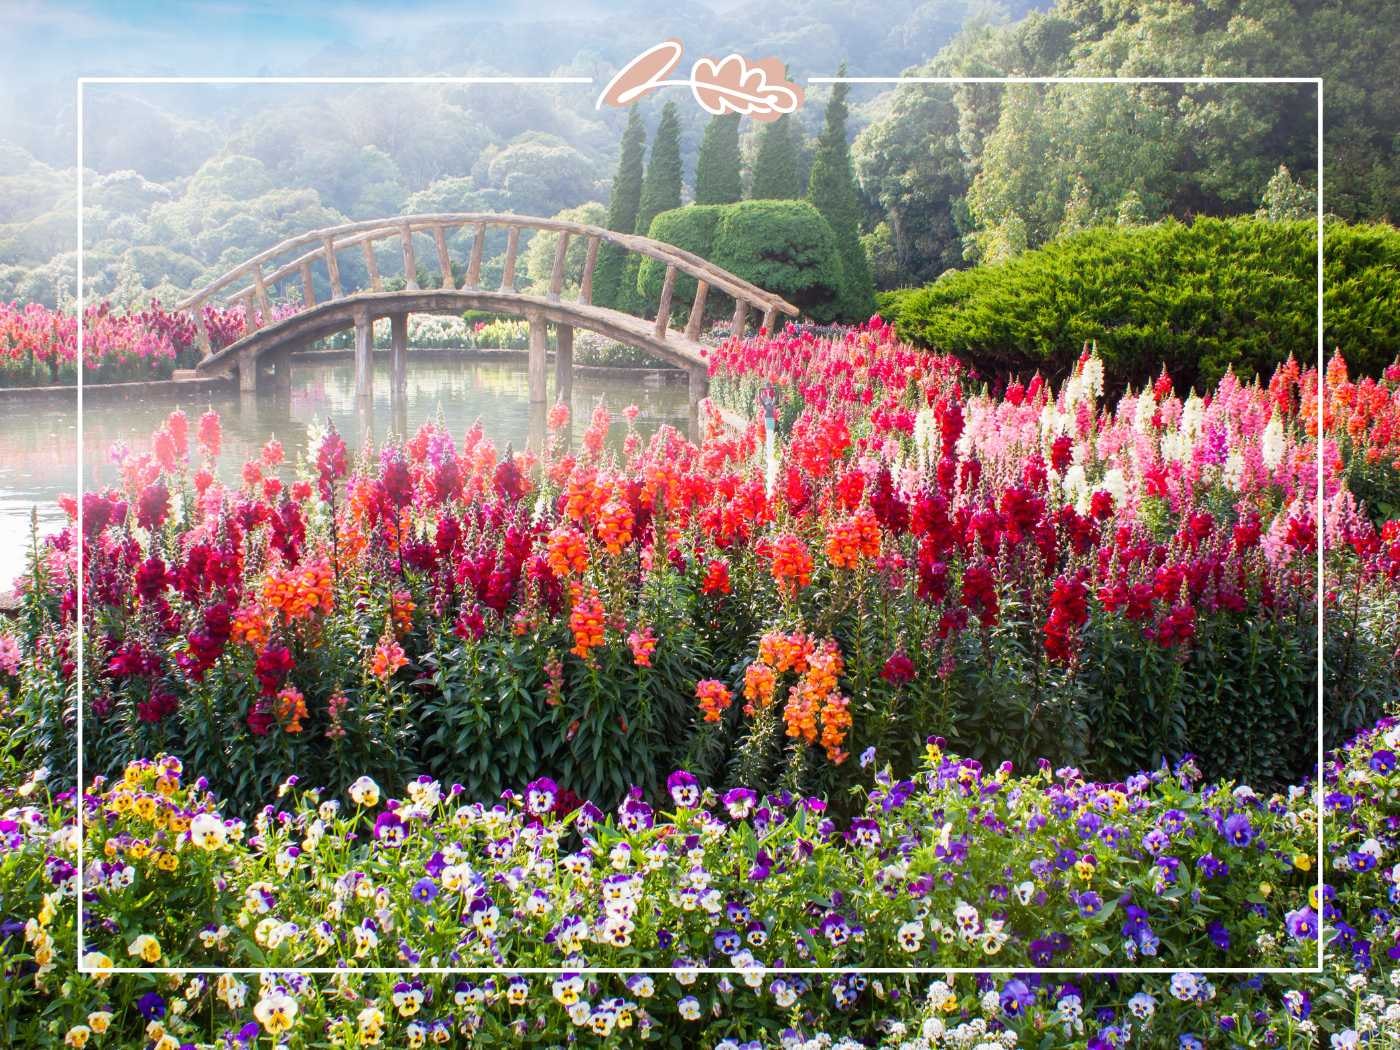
pixel 39 441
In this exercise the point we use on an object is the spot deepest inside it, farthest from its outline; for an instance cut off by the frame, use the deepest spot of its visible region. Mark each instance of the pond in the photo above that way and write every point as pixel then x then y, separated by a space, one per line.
pixel 39 440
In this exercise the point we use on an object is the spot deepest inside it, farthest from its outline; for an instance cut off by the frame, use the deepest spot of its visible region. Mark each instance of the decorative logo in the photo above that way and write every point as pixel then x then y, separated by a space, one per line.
pixel 731 85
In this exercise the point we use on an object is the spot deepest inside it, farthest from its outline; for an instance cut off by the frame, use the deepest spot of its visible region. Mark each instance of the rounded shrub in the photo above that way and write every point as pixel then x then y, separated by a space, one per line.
pixel 783 246
pixel 1197 298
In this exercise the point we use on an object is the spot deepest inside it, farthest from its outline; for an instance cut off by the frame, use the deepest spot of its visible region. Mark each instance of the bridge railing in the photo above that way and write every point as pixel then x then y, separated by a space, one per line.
pixel 322 246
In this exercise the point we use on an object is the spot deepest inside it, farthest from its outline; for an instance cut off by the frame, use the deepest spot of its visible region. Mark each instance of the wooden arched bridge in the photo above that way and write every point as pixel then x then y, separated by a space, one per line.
pixel 268 338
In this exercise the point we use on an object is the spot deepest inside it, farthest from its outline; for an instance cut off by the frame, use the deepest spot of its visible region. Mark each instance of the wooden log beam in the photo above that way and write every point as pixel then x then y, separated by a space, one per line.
pixel 376 283
pixel 260 294
pixel 741 314
pixel 508 271
pixel 697 310
pixel 474 267
pixel 201 331
pixel 590 261
pixel 250 313
pixel 663 309
pixel 333 268
pixel 410 261
pixel 444 260
pixel 556 275
pixel 308 286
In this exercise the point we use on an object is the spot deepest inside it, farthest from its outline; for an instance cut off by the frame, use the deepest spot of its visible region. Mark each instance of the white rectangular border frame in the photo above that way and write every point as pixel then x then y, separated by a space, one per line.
pixel 82 84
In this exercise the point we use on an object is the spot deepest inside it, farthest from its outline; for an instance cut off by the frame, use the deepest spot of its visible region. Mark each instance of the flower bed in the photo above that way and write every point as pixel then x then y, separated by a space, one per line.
pixel 1031 575
pixel 433 881
pixel 39 346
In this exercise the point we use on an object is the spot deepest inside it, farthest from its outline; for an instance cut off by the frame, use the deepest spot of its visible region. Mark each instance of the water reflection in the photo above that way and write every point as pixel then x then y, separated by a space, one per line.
pixel 38 441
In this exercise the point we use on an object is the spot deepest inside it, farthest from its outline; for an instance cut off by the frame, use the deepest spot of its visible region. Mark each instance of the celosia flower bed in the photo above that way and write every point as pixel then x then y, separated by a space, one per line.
pixel 39 345
pixel 959 866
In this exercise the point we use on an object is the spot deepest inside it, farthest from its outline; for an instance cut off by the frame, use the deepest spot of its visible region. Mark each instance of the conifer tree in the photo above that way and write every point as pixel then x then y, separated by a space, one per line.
pixel 831 189
pixel 717 170
pixel 661 187
pixel 661 191
pixel 776 167
pixel 622 210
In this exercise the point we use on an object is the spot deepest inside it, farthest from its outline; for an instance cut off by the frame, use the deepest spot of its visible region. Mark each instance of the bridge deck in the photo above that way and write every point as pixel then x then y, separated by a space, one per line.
pixel 295 331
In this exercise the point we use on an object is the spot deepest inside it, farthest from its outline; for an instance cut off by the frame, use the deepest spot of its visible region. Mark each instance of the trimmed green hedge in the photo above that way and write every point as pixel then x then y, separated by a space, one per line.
pixel 783 246
pixel 1198 298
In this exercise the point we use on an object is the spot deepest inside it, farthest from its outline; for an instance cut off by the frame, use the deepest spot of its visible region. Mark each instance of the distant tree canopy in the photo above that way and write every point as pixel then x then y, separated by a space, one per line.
pixel 784 247
pixel 978 172
pixel 1199 298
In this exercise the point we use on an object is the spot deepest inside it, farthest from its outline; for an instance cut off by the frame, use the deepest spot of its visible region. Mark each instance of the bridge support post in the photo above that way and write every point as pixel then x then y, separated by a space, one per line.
pixel 247 372
pixel 699 390
pixel 364 356
pixel 538 377
pixel 398 390
pixel 539 348
pixel 564 364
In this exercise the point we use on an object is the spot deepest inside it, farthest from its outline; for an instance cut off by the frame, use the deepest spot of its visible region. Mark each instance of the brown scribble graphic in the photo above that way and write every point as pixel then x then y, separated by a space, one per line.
pixel 758 89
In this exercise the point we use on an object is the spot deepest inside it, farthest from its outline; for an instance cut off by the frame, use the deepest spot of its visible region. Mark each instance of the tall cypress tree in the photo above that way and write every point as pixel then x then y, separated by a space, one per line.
pixel 717 169
pixel 831 189
pixel 661 191
pixel 661 188
pixel 622 211
pixel 776 169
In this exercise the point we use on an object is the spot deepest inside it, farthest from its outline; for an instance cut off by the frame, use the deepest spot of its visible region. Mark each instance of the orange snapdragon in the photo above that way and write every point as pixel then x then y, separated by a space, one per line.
pixel 250 627
pixel 388 656
pixel 643 644
pixel 760 682
pixel 853 537
pixel 566 552
pixel 586 621
pixel 713 697
pixel 299 592
pixel 615 523
pixel 291 709
pixel 792 564
pixel 401 610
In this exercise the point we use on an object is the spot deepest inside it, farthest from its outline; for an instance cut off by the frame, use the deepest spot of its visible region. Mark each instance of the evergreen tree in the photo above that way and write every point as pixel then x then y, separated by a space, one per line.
pixel 661 188
pixel 622 211
pixel 776 166
pixel 831 189
pixel 661 191
pixel 717 169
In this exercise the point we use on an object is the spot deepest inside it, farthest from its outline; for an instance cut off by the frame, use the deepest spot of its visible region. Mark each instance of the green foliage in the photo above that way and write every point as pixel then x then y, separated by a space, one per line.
pixel 995 169
pixel 539 255
pixel 693 229
pixel 661 186
pixel 1198 298
pixel 832 191
pixel 661 191
pixel 777 173
pixel 622 210
pixel 718 174
pixel 785 247
pixel 1286 198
